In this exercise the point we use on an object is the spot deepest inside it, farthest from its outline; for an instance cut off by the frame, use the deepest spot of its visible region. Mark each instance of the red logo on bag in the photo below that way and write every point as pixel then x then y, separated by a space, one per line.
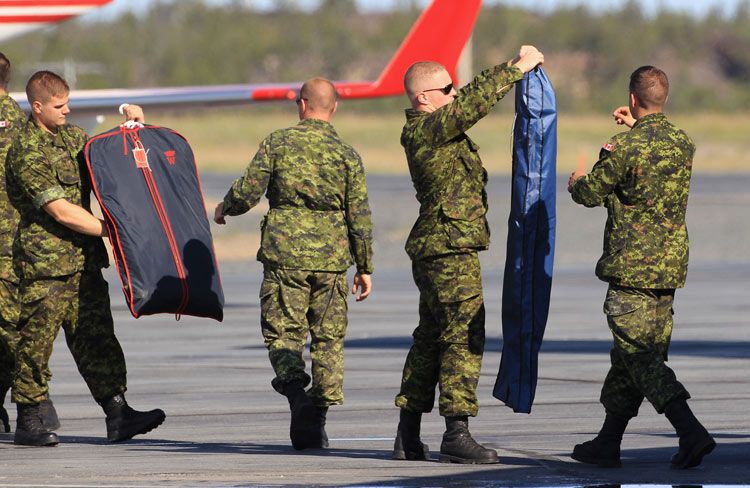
pixel 171 159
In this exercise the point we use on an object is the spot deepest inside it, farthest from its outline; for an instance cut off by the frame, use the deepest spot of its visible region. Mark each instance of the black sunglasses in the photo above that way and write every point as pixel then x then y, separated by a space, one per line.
pixel 446 89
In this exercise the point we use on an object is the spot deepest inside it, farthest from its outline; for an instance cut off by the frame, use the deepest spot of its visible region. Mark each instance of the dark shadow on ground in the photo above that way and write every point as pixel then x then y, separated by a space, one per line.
pixel 725 349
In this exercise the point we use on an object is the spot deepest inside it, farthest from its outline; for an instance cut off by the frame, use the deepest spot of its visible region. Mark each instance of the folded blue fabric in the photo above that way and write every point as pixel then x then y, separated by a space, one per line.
pixel 531 240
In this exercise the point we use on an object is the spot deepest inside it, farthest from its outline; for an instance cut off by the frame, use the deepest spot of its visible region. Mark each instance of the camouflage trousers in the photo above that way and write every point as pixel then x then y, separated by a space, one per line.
pixel 449 340
pixel 295 303
pixel 10 308
pixel 641 324
pixel 79 303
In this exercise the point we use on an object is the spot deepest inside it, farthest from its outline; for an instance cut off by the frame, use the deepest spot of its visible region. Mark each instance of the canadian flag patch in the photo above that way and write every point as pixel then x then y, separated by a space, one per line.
pixel 608 147
pixel 3 124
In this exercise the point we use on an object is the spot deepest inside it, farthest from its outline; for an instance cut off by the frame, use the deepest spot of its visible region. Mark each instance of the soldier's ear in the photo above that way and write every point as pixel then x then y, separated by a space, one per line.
pixel 36 107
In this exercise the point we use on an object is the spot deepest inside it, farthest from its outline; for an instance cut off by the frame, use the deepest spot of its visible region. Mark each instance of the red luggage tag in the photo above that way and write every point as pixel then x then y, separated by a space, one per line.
pixel 141 156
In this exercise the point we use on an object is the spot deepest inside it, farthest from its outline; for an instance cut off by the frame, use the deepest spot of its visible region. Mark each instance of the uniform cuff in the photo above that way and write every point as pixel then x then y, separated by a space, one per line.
pixel 49 195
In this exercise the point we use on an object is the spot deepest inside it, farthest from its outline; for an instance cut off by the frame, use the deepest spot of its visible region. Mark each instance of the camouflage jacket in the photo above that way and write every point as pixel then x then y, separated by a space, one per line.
pixel 11 120
pixel 319 216
pixel 446 170
pixel 643 178
pixel 44 167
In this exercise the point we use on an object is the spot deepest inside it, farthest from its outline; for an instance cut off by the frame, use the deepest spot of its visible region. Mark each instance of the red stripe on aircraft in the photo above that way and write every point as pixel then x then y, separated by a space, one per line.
pixel 17 19
pixel 53 3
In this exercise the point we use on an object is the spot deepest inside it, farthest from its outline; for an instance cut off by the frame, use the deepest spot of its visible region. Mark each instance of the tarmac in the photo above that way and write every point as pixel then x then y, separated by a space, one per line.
pixel 226 427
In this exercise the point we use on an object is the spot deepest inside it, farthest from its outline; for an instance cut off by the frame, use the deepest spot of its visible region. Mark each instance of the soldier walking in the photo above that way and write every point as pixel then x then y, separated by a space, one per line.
pixel 317 224
pixel 12 120
pixel 643 178
pixel 59 252
pixel 450 182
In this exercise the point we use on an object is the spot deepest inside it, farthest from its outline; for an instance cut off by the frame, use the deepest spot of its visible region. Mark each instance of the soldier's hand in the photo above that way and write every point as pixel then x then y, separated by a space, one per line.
pixel 219 214
pixel 623 116
pixel 528 58
pixel 134 113
pixel 363 283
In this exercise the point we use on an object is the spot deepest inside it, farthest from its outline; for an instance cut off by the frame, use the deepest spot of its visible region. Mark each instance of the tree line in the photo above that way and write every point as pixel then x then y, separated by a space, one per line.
pixel 589 54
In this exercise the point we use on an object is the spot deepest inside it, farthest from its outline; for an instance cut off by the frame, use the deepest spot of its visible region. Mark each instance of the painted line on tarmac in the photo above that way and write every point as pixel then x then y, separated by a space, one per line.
pixel 359 439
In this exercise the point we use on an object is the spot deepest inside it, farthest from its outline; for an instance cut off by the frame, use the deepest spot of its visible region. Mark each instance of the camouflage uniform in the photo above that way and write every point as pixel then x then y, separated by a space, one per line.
pixel 11 119
pixel 61 283
pixel 450 182
pixel 643 178
pixel 318 222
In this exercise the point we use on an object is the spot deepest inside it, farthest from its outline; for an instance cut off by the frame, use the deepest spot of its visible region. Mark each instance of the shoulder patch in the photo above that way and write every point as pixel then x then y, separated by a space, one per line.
pixel 4 124
pixel 608 147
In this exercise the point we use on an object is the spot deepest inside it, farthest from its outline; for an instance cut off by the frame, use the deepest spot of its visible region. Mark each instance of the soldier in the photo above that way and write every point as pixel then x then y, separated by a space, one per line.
pixel 11 120
pixel 318 221
pixel 643 178
pixel 451 228
pixel 60 253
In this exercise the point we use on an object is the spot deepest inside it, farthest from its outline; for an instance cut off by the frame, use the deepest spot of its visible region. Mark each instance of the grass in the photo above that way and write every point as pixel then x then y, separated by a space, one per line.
pixel 225 140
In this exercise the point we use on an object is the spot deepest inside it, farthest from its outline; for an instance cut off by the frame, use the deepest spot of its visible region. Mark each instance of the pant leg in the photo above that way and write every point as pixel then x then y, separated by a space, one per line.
pixel 46 304
pixel 422 365
pixel 327 320
pixel 449 341
pixel 641 324
pixel 90 336
pixel 284 301
pixel 10 308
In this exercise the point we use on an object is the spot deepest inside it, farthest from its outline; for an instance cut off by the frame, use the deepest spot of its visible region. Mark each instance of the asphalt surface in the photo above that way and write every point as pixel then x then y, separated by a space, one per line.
pixel 226 427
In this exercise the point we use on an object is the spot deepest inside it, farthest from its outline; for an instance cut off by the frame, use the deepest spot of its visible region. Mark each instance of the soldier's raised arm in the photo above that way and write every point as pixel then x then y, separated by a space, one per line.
pixel 469 104
pixel 591 190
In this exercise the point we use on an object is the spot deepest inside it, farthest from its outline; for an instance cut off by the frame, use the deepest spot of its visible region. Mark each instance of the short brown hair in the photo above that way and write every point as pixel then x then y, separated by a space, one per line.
pixel 44 85
pixel 417 72
pixel 4 71
pixel 650 86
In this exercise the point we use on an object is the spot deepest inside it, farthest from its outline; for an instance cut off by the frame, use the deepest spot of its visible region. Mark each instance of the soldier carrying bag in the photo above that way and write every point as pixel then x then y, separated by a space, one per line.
pixel 147 185
pixel 531 240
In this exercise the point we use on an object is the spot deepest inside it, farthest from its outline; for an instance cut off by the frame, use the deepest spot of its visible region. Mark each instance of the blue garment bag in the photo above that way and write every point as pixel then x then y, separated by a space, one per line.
pixel 531 240
pixel 147 185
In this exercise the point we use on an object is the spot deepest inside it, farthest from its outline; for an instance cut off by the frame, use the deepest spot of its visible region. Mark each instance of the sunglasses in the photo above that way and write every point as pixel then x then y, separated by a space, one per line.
pixel 446 89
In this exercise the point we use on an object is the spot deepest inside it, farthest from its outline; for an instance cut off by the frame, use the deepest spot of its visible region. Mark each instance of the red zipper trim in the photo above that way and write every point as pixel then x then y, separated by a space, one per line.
pixel 114 236
pixel 164 219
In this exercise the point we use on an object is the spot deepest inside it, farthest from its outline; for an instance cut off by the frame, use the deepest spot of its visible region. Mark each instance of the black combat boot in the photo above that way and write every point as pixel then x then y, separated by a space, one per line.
pixel 304 428
pixel 322 412
pixel 407 444
pixel 4 419
pixel 459 447
pixel 49 414
pixel 604 449
pixel 695 441
pixel 29 428
pixel 124 423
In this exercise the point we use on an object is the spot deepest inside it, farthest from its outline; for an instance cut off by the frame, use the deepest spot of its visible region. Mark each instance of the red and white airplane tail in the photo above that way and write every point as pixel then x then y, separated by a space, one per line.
pixel 18 17
pixel 439 34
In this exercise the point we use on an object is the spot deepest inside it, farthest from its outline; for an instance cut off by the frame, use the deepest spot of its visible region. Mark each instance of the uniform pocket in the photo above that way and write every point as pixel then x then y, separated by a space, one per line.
pixel 465 226
pixel 620 302
pixel 67 172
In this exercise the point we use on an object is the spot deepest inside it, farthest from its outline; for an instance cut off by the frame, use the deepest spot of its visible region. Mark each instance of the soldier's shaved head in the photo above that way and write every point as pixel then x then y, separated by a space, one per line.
pixel 4 71
pixel 320 96
pixel 418 76
pixel 43 85
pixel 650 86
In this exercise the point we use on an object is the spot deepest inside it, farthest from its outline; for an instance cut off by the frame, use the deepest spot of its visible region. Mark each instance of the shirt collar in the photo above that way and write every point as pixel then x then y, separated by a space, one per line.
pixel 650 119
pixel 317 123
